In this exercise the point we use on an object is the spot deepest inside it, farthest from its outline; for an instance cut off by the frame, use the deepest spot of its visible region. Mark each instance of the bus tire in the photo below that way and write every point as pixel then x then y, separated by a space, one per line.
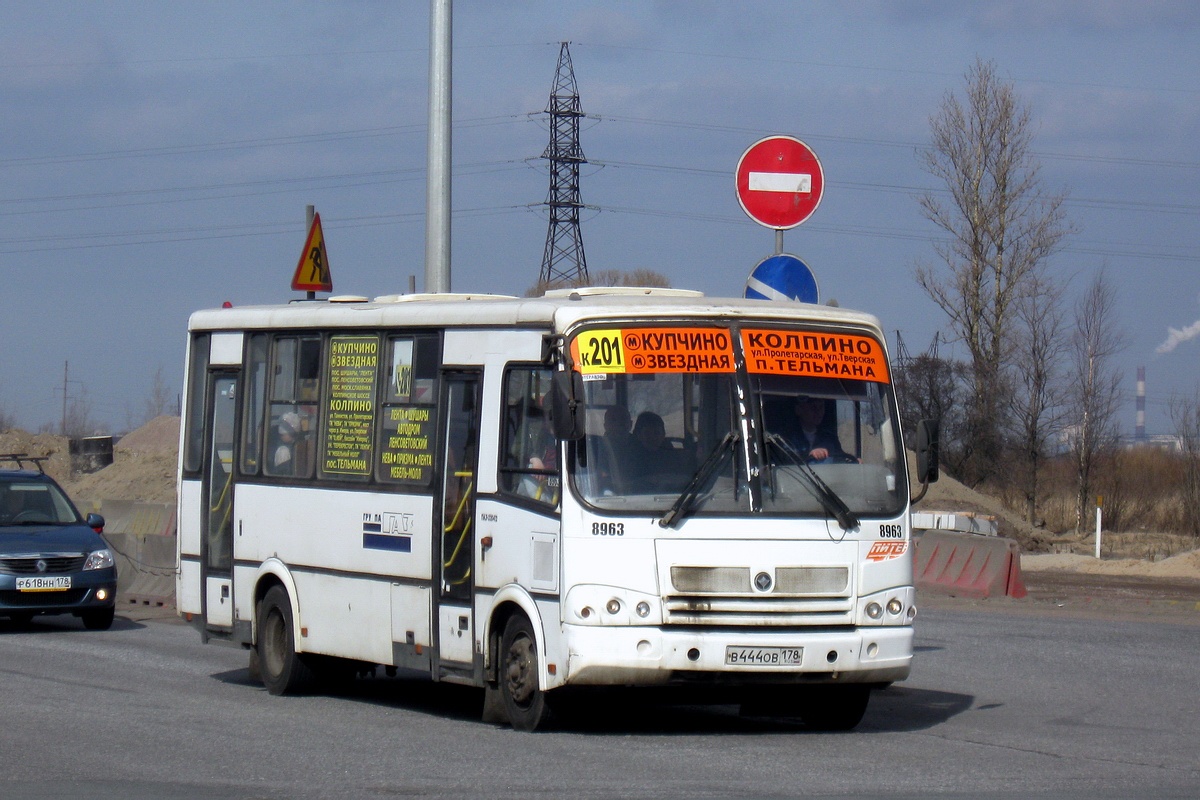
pixel 283 670
pixel 835 708
pixel 524 700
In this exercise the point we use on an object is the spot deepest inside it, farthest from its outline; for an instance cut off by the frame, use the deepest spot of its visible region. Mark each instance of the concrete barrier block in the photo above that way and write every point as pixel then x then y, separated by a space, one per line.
pixel 968 565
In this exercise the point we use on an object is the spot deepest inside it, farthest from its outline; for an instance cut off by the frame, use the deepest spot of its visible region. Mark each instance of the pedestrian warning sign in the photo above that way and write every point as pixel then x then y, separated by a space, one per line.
pixel 312 273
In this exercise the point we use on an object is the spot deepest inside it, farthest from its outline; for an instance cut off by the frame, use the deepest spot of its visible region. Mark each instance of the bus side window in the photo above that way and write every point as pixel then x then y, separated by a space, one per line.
pixel 529 450
pixel 295 369
pixel 255 401
pixel 408 416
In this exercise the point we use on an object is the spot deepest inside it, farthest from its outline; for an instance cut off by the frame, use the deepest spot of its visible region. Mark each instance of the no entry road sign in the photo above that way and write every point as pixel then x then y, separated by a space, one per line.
pixel 779 182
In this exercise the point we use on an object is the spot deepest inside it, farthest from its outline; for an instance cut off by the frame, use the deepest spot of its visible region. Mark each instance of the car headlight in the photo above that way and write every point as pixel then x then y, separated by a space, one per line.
pixel 99 559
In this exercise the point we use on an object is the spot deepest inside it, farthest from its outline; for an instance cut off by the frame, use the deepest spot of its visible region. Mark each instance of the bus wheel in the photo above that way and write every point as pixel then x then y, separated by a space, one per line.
pixel 835 708
pixel 283 671
pixel 524 701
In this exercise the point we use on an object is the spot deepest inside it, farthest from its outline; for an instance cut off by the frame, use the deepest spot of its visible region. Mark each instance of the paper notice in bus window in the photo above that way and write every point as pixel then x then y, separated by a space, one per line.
pixel 408 440
pixel 350 417
pixel 646 350
pixel 815 354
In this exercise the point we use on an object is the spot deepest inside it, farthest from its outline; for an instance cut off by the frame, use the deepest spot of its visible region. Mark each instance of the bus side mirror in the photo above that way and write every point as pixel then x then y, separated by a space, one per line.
pixel 566 405
pixel 927 451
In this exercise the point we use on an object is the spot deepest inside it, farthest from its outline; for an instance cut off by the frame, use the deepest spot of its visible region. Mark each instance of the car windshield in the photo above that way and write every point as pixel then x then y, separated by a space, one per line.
pixel 32 502
pixel 671 430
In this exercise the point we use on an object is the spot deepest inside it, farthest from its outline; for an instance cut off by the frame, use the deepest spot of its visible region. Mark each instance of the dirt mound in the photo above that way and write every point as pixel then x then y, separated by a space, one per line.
pixel 143 468
pixel 950 495
pixel 56 448
pixel 1184 565
pixel 159 435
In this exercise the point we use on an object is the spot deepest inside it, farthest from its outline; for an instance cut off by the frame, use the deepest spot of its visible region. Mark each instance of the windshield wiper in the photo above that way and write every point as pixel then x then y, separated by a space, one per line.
pixel 685 500
pixel 828 497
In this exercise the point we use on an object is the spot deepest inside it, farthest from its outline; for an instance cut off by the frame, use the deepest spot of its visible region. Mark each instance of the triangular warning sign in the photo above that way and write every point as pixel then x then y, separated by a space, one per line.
pixel 312 273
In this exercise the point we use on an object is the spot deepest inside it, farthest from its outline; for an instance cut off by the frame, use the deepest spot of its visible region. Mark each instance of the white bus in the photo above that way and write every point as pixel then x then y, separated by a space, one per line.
pixel 595 488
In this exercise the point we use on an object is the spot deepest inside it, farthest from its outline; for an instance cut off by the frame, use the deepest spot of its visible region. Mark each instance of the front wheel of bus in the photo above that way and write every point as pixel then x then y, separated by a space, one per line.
pixel 283 671
pixel 524 701
pixel 835 708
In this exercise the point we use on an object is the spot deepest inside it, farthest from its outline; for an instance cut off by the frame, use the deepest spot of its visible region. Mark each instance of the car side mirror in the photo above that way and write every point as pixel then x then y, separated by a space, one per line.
pixel 95 522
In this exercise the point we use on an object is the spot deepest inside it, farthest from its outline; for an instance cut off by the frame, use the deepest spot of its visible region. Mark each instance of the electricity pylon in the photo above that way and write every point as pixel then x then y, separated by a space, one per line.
pixel 563 261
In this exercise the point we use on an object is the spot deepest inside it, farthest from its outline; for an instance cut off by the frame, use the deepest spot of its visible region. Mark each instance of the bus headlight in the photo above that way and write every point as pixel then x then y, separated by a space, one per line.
pixel 592 604
pixel 893 606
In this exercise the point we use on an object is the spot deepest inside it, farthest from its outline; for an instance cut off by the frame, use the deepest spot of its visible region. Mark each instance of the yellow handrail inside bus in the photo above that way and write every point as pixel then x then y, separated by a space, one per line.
pixel 463 502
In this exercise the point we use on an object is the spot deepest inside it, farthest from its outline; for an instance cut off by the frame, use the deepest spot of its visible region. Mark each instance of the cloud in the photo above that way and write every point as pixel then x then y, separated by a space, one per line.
pixel 1177 336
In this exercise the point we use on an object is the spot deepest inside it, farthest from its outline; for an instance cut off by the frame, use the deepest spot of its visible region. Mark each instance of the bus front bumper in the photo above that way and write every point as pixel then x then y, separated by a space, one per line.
pixel 606 656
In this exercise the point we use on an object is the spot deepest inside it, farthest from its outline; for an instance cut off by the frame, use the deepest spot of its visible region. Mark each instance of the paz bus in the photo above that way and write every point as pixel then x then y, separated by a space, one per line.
pixel 593 488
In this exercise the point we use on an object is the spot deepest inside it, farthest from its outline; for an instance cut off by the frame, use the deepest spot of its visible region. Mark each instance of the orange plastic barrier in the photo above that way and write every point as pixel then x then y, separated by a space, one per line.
pixel 968 565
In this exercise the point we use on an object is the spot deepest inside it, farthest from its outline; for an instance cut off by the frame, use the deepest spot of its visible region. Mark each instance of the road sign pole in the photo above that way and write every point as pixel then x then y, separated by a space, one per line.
pixel 778 241
pixel 309 213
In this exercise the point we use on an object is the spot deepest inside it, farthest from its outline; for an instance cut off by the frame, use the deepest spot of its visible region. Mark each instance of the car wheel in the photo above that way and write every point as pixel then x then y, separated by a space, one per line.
pixel 100 620
pixel 283 670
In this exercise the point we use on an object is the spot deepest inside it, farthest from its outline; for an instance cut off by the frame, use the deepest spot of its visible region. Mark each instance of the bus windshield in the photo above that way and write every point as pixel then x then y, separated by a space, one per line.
pixel 671 434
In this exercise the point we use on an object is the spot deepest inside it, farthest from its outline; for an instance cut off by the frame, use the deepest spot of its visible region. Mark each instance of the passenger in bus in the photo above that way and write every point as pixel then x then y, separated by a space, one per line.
pixel 544 486
pixel 610 451
pixel 617 431
pixel 289 428
pixel 652 455
pixel 814 438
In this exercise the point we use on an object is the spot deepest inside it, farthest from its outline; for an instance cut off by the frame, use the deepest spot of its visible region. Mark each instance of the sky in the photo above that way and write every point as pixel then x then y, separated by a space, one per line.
pixel 157 158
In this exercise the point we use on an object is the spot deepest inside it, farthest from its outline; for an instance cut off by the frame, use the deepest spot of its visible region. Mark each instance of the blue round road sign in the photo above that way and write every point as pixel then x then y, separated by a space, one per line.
pixel 782 277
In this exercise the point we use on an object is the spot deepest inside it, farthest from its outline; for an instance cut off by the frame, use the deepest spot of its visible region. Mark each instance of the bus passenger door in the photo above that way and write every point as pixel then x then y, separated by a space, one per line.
pixel 217 524
pixel 460 447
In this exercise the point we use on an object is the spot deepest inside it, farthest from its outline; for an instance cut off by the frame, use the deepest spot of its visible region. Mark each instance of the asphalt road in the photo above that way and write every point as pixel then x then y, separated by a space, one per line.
pixel 1005 700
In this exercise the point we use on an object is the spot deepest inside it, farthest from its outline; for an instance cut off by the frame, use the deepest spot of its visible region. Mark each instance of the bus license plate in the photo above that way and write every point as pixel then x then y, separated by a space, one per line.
pixel 43 584
pixel 764 656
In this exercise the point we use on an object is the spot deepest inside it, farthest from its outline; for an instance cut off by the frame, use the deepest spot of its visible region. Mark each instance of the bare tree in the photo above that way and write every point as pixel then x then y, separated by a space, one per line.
pixel 1095 384
pixel 1035 406
pixel 161 399
pixel 7 420
pixel 1185 415
pixel 931 387
pixel 78 421
pixel 1001 227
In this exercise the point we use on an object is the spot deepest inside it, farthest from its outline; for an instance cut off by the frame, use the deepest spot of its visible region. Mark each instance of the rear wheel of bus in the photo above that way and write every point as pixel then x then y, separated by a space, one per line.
pixel 283 670
pixel 524 700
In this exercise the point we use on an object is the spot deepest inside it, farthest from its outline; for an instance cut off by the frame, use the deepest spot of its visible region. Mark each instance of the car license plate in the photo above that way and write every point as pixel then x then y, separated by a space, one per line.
pixel 764 656
pixel 44 584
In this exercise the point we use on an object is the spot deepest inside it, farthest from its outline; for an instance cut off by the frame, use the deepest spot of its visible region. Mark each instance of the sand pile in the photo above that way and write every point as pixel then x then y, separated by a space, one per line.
pixel 143 468
pixel 38 444
pixel 1184 565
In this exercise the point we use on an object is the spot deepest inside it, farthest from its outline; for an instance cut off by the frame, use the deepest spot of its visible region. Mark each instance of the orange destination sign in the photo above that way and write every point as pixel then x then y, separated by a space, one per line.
pixel 767 351
pixel 815 354
pixel 635 350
